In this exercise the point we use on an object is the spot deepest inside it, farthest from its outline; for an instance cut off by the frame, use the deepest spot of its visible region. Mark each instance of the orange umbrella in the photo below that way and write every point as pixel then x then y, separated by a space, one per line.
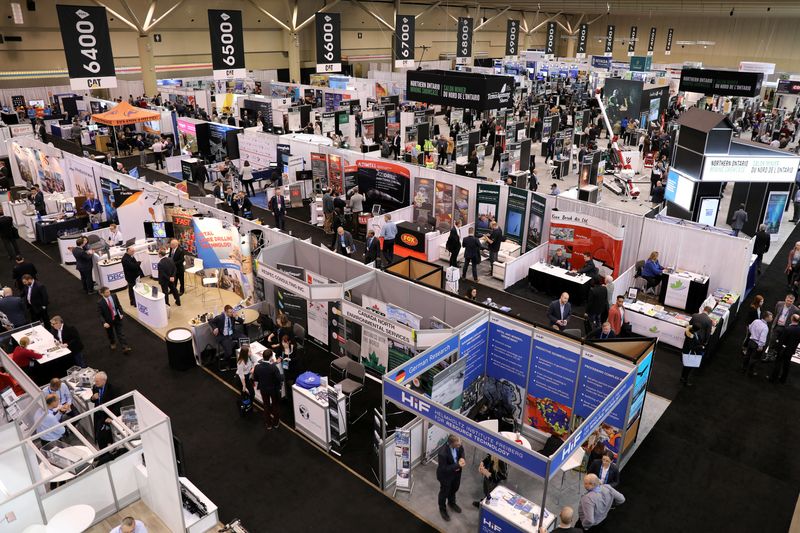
pixel 124 113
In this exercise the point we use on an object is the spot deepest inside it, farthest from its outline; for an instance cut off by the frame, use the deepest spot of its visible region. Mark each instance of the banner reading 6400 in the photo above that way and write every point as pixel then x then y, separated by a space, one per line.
pixel 227 44
pixel 87 46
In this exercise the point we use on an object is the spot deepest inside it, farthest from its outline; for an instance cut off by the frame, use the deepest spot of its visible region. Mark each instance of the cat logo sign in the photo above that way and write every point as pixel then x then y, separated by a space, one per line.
pixel 409 239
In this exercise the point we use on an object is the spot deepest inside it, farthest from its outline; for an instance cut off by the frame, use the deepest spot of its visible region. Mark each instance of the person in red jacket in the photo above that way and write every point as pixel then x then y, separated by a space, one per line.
pixel 23 356
pixel 616 315
pixel 7 380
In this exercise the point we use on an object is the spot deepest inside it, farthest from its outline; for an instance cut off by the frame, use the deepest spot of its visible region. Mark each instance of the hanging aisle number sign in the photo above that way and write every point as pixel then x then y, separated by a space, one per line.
pixel 227 44
pixel 87 47
pixel 464 40
pixel 651 42
pixel 404 40
pixel 632 41
pixel 550 43
pixel 668 49
pixel 609 41
pixel 329 42
pixel 512 38
pixel 583 33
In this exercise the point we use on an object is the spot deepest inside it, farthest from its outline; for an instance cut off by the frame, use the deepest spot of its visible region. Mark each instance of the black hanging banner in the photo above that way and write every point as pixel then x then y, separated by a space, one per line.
pixel 329 42
pixel 632 41
pixel 550 43
pixel 609 41
pixel 404 40
pixel 668 49
pixel 87 47
pixel 512 37
pixel 651 42
pixel 464 40
pixel 227 44
pixel 583 32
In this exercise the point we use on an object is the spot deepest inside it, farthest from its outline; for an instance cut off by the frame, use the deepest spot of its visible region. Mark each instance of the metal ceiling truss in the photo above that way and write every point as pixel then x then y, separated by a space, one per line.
pixel 133 21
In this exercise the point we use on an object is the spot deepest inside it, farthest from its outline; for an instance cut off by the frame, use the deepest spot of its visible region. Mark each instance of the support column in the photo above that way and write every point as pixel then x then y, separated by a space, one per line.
pixel 148 64
pixel 391 38
pixel 292 42
pixel 570 47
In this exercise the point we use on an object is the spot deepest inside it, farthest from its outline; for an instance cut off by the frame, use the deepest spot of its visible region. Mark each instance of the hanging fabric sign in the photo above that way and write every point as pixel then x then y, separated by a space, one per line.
pixel 668 49
pixel 632 40
pixel 651 42
pixel 550 44
pixel 583 31
pixel 87 46
pixel 609 41
pixel 512 37
pixel 329 42
pixel 227 44
pixel 464 40
pixel 404 40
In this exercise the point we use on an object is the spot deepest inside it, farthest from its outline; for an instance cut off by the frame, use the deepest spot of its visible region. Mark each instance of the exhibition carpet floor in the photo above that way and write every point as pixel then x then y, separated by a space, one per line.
pixel 722 457
pixel 265 478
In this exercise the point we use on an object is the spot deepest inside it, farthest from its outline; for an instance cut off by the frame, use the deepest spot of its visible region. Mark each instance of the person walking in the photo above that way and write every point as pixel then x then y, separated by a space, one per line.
pixel 472 254
pixel 269 380
pixel 787 343
pixel 498 151
pixel 9 236
pixel 277 204
pixel 132 270
pixel 453 244
pixel 158 153
pixel 389 234
pixel 761 244
pixel 596 503
pixel 35 294
pixel 111 317
pixel 448 472
pixel 84 262
pixel 738 220
pixel 759 331
pixel 344 242
pixel 178 256
pixel 166 277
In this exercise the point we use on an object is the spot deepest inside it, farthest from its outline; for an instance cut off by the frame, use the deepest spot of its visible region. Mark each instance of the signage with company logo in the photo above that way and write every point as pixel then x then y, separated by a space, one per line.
pixel 788 87
pixel 721 82
pixel 641 63
pixel 651 42
pixel 751 168
pixel 227 44
pixel 425 360
pixel 464 40
pixel 391 329
pixel 601 62
pixel 583 33
pixel 284 281
pixel 460 89
pixel 329 42
pixel 87 47
pixel 609 50
pixel 404 29
pixel 115 276
pixel 668 48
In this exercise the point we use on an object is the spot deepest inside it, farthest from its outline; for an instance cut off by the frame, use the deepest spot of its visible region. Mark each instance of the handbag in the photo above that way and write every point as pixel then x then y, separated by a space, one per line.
pixel 692 360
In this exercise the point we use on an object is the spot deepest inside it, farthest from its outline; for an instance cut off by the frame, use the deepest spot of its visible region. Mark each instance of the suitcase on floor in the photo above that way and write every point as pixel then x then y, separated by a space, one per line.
pixel 245 404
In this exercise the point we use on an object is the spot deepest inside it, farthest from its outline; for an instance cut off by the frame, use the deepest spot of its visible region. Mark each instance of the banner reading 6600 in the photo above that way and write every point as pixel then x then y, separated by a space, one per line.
pixel 87 46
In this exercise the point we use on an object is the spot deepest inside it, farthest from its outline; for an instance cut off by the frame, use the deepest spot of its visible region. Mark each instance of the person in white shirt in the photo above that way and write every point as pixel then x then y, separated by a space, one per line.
pixel 759 331
pixel 115 237
pixel 158 148
pixel 51 419
pixel 130 525
pixel 61 391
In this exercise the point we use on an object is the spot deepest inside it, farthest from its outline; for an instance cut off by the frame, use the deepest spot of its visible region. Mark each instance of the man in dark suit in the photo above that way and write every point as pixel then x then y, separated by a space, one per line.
pixel 269 380
pixel 84 262
pixel 553 443
pixel 588 268
pixel 453 244
pixel 178 255
pixel 132 270
pixel 761 244
pixel 166 277
pixel 111 316
pixel 8 234
pixel 37 197
pixel 495 239
pixel 22 267
pixel 277 204
pixel 596 305
pixel 559 259
pixel 605 470
pixel 13 307
pixel 102 393
pixel 68 335
pixel 344 242
pixel 472 254
pixel 372 251
pixel 448 472
pixel 35 294
pixel 559 311
pixel 602 333
pixel 788 340
pixel 223 326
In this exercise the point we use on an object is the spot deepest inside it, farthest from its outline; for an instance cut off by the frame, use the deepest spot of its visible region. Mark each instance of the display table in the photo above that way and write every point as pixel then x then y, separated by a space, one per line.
pixel 43 342
pixel 66 242
pixel 150 265
pixel 509 512
pixel 562 168
pixel 654 321
pixel 311 416
pixel 111 274
pixel 152 309
pixel 74 454
pixel 682 289
pixel 411 240
pixel 553 280
pixel 198 524
pixel 47 232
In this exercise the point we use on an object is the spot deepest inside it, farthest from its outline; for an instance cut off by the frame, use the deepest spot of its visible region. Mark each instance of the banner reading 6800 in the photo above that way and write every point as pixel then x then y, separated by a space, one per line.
pixel 329 42
pixel 464 40
pixel 227 44
pixel 87 46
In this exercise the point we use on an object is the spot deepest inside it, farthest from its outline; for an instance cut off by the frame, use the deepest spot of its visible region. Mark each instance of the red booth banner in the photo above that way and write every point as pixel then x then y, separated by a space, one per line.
pixel 577 233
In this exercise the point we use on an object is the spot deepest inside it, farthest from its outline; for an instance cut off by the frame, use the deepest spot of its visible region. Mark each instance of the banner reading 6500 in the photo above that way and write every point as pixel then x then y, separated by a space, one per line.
pixel 87 46
pixel 329 42
pixel 227 44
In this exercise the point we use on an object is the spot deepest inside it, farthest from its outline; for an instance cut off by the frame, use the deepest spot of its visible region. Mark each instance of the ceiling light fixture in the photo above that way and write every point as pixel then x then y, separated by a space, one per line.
pixel 16 11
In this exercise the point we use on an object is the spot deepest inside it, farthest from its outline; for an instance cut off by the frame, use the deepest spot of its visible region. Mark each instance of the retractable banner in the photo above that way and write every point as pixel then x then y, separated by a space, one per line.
pixel 464 40
pixel 512 37
pixel 668 49
pixel 329 42
pixel 651 42
pixel 404 28
pixel 610 41
pixel 632 41
pixel 87 47
pixel 227 44
pixel 583 32
pixel 550 44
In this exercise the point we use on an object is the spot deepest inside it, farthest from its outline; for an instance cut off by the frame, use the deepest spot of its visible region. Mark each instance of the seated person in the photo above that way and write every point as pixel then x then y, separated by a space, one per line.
pixel 283 326
pixel 651 271
pixel 559 259
pixel 7 380
pixel 603 332
pixel 51 419
pixel 588 268
pixel 130 525
pixel 60 389
pixel 553 443
pixel 605 469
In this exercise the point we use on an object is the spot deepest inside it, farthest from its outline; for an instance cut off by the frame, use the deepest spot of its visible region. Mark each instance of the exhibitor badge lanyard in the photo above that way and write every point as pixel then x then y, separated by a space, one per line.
pixel 404 28
pixel 668 49
pixel 550 44
pixel 651 42
pixel 512 37
pixel 583 32
pixel 610 40
pixel 227 44
pixel 329 42
pixel 87 47
pixel 632 40
pixel 464 39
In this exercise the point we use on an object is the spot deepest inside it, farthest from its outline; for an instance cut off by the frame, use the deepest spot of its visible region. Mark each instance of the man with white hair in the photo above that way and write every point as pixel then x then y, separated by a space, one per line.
pixel 14 308
pixel 596 502
pixel 609 281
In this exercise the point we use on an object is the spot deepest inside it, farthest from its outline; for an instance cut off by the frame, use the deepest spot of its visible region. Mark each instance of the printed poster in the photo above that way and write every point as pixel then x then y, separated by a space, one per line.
pixel 423 200
pixel 535 221
pixel 443 206
pixel 487 207
pixel 461 206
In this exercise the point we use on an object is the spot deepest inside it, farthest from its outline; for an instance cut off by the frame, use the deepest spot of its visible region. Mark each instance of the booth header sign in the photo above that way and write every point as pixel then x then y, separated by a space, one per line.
pixel 471 431
pixel 404 36
pixel 227 44
pixel 284 281
pixel 460 89
pixel 721 82
pixel 788 87
pixel 365 317
pixel 601 62
pixel 329 42
pixel 583 32
pixel 87 47
pixel 750 168
pixel 424 361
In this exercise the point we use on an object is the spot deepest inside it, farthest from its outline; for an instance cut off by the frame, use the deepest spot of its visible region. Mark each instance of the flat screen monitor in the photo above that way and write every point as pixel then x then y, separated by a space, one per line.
pixel 158 230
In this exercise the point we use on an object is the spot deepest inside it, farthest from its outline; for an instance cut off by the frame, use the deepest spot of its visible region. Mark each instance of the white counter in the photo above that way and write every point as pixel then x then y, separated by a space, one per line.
pixel 68 241
pixel 194 523
pixel 111 274
pixel 514 509
pixel 150 264
pixel 43 342
pixel 152 311
pixel 311 415
pixel 559 272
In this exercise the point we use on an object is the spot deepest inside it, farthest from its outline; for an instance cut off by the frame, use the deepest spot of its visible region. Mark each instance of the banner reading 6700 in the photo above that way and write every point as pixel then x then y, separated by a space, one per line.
pixel 87 46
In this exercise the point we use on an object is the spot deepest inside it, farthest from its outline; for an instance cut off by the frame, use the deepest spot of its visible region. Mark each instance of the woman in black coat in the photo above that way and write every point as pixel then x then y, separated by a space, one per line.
pixel 493 471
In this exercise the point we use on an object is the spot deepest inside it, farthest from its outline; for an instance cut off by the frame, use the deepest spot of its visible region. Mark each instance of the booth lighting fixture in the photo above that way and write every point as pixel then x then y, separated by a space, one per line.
pixel 16 11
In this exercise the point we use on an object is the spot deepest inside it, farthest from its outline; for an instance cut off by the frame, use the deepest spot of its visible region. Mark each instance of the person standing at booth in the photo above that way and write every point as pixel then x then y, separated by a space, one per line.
pixel 453 244
pixel 472 254
pixel 115 237
pixel 69 336
pixel 344 242
pixel 448 473
pixel 738 220
pixel 166 277
pixel 37 197
pixel 94 208
pixel 372 250
pixel 35 294
pixel 559 311
pixel 178 255
pixel 494 239
pixel 277 204
pixel 269 380
pixel 389 233
pixel 223 327
pixel 84 262
pixel 132 270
